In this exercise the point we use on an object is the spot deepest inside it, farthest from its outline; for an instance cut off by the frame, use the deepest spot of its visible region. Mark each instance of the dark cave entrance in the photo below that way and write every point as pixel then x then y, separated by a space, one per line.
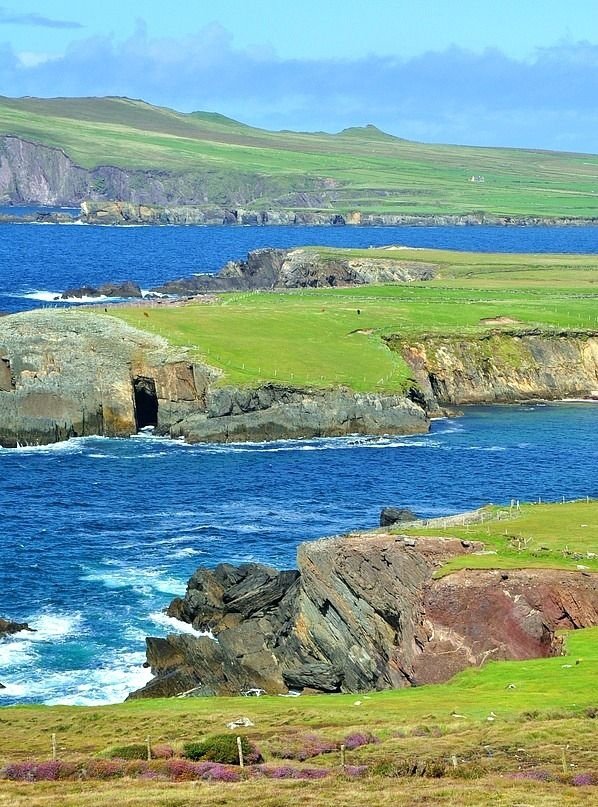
pixel 146 402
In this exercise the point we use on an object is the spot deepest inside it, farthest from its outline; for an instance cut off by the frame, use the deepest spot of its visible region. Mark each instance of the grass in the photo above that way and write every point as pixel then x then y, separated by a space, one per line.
pixel 317 338
pixel 546 710
pixel 359 169
pixel 537 536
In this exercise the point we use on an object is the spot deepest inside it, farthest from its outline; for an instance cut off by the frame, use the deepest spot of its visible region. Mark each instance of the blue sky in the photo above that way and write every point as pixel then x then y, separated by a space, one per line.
pixel 504 73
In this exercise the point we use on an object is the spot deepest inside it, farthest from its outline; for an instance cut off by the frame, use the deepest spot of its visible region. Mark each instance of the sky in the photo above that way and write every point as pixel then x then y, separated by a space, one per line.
pixel 506 73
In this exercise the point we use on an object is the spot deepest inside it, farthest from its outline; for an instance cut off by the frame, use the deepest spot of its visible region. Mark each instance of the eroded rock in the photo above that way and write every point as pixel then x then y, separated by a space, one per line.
pixel 362 613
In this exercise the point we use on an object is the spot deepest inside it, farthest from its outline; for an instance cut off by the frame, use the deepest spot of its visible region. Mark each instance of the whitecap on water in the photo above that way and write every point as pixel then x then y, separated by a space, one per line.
pixel 144 581
pixel 177 626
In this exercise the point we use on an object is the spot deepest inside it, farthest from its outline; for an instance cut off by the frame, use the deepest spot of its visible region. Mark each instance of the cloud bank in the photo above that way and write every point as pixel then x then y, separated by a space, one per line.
pixel 460 96
pixel 8 17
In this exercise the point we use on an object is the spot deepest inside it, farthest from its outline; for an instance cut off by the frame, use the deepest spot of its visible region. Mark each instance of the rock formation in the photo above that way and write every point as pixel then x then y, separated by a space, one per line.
pixel 362 612
pixel 8 627
pixel 299 268
pixel 74 373
pixel 503 366
pixel 124 290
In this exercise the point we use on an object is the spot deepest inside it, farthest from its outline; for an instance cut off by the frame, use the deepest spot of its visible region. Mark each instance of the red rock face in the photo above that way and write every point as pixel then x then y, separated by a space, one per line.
pixel 471 617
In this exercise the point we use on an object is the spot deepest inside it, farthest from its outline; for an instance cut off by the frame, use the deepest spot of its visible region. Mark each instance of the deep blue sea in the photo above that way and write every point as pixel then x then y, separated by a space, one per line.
pixel 38 261
pixel 98 535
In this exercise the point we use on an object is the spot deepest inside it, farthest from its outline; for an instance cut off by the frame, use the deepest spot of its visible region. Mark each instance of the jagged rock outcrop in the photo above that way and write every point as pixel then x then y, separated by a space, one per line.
pixel 73 373
pixel 300 268
pixel 502 366
pixel 125 290
pixel 8 627
pixel 363 612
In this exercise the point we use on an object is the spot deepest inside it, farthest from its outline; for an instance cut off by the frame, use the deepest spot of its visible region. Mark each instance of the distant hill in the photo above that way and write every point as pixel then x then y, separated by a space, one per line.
pixel 118 148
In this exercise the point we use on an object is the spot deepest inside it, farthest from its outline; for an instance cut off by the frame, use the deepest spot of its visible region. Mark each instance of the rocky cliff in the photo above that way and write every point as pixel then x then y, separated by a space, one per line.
pixel 502 366
pixel 362 612
pixel 74 373
pixel 300 268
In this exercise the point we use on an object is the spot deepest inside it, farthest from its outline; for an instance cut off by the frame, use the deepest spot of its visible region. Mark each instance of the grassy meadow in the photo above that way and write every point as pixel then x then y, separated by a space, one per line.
pixel 316 337
pixel 503 719
pixel 531 536
pixel 361 169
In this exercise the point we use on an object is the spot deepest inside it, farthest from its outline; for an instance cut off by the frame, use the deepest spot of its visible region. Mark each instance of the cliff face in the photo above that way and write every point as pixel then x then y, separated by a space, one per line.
pixel 73 373
pixel 298 269
pixel 76 374
pixel 31 172
pixel 363 612
pixel 503 367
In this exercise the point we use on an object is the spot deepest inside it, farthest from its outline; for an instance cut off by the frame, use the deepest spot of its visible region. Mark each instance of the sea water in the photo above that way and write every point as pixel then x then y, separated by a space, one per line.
pixel 98 535
pixel 39 261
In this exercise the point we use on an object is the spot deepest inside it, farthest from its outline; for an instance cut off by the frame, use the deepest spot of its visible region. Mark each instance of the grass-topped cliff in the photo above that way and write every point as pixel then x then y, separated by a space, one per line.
pixel 324 337
pixel 221 161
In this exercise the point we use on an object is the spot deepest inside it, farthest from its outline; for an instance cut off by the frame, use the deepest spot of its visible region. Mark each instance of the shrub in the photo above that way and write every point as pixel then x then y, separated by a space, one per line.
pixel 359 739
pixel 162 751
pixel 304 747
pixel 133 751
pixel 289 772
pixel 591 712
pixel 103 769
pixel 584 779
pixel 30 771
pixel 222 748
pixel 534 776
pixel 180 770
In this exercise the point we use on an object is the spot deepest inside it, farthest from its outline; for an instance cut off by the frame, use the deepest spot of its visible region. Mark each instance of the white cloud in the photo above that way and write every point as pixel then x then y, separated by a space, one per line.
pixel 456 95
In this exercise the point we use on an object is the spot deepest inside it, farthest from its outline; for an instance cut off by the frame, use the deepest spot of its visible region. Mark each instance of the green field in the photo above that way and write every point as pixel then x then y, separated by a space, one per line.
pixel 538 536
pixel 502 719
pixel 317 338
pixel 359 169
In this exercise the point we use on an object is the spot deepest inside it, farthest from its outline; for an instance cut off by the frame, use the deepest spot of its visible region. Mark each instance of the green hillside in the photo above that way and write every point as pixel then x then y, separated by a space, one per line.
pixel 358 169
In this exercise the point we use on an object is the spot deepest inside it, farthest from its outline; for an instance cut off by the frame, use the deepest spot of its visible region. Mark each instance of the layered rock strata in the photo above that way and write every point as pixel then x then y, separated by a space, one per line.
pixel 362 612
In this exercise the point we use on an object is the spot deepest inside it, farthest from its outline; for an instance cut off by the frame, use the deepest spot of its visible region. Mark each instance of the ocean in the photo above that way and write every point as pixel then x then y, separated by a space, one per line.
pixel 98 535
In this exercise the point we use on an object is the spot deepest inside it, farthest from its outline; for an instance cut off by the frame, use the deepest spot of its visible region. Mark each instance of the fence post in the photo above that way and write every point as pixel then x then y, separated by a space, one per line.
pixel 53 746
pixel 149 749
pixel 343 755
pixel 240 750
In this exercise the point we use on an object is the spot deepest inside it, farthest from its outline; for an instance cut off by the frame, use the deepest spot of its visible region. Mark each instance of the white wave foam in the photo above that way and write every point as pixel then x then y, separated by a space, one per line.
pixel 44 296
pixel 143 580
pixel 54 627
pixel 186 552
pixel 75 445
pixel 177 626
pixel 119 674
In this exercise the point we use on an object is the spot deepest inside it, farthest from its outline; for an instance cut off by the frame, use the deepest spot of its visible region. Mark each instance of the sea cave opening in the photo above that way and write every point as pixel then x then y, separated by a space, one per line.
pixel 146 402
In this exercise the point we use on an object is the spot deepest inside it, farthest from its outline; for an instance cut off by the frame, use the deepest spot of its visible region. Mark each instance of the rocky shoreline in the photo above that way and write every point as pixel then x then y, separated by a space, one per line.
pixel 361 612
pixel 75 373
pixel 115 213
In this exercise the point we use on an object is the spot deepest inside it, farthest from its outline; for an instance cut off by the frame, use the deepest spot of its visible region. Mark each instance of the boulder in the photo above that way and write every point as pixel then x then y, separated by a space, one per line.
pixel 396 515
pixel 8 627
